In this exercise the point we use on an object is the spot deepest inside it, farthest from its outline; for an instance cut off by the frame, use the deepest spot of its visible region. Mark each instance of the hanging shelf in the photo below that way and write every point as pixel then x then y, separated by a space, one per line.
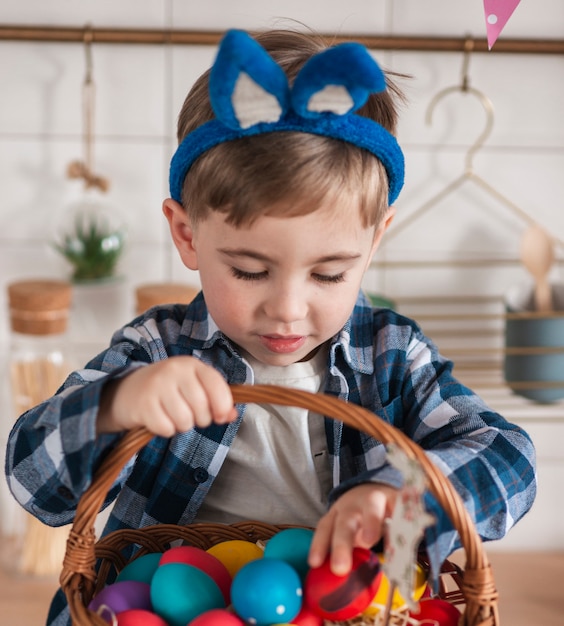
pixel 62 34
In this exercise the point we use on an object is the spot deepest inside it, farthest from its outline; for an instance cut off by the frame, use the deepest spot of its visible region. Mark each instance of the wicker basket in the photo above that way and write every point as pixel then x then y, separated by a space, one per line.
pixel 80 581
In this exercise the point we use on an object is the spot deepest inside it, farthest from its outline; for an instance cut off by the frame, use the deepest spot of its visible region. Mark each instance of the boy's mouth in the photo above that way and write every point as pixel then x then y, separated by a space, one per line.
pixel 283 344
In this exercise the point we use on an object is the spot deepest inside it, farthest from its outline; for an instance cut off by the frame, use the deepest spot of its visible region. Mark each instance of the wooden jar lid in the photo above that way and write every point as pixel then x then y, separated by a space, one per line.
pixel 150 295
pixel 39 307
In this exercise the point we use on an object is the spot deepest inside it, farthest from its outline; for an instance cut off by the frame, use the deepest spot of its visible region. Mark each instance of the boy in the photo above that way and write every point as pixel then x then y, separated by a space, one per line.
pixel 279 198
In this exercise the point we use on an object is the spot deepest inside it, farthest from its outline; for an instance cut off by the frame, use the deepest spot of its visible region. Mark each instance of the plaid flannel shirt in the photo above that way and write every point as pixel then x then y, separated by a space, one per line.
pixel 380 360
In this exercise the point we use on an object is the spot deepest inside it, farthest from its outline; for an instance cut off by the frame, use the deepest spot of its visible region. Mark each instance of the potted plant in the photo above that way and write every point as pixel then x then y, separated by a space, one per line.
pixel 92 243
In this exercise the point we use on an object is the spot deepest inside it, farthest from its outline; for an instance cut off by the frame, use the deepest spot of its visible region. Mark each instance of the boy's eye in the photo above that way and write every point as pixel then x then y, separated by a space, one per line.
pixel 241 275
pixel 335 278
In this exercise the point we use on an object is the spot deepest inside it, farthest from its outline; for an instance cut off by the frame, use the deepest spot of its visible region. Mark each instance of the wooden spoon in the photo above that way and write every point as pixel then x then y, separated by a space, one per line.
pixel 537 255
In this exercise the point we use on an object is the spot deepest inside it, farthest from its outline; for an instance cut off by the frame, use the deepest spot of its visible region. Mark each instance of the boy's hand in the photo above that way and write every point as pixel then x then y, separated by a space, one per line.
pixel 356 520
pixel 167 397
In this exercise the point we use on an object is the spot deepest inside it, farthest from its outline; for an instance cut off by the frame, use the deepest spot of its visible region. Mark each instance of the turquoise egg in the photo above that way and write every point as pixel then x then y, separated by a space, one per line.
pixel 267 591
pixel 291 545
pixel 181 592
pixel 141 569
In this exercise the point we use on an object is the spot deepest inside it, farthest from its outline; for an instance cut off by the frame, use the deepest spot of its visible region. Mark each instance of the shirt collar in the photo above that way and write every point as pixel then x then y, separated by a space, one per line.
pixel 354 340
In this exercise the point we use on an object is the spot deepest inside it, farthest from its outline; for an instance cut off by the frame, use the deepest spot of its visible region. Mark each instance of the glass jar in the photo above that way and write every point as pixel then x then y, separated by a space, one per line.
pixel 39 363
pixel 153 294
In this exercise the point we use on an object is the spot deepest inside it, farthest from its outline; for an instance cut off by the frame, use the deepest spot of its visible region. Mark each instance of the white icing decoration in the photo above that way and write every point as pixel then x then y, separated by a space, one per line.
pixel 334 98
pixel 406 525
pixel 253 104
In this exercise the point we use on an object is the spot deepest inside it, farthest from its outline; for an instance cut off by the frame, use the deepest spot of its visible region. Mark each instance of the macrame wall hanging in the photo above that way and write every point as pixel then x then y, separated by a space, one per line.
pixel 92 234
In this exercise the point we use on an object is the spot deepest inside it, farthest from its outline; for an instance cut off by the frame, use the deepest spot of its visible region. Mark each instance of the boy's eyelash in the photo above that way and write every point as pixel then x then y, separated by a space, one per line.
pixel 335 278
pixel 321 278
pixel 248 275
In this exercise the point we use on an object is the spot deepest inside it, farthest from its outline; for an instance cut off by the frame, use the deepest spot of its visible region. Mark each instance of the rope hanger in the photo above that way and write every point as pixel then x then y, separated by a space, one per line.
pixel 85 169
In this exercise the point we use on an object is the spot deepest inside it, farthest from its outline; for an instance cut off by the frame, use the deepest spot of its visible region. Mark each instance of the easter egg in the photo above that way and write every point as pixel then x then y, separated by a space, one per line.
pixel 235 553
pixel 291 545
pixel 181 592
pixel 398 602
pixel 339 598
pixel 203 560
pixel 444 613
pixel 139 617
pixel 217 617
pixel 141 569
pixel 306 617
pixel 266 591
pixel 121 596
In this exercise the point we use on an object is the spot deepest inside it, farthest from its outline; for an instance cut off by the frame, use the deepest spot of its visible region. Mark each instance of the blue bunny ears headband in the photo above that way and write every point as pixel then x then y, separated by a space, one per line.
pixel 250 95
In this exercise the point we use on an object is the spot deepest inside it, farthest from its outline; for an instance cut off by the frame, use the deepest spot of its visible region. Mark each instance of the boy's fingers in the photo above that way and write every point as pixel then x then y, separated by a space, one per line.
pixel 177 410
pixel 218 394
pixel 321 542
pixel 342 545
pixel 195 410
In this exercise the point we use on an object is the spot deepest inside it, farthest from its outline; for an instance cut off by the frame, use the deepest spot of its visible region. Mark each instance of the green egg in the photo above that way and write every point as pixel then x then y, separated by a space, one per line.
pixel 181 592
pixel 141 569
pixel 291 545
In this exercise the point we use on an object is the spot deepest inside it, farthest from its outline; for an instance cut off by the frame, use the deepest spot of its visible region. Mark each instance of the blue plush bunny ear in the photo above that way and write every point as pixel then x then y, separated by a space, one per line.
pixel 247 86
pixel 338 80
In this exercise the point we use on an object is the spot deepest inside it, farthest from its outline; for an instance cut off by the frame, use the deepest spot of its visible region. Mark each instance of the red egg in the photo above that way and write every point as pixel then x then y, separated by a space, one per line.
pixel 339 598
pixel 443 612
pixel 201 559
pixel 138 617
pixel 217 617
pixel 306 617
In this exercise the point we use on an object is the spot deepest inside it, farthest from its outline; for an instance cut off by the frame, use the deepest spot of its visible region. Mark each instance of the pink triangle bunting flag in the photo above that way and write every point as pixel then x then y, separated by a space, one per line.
pixel 497 13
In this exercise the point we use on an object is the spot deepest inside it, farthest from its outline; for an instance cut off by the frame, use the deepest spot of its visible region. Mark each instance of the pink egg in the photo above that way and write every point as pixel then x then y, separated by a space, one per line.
pixel 121 596
pixel 139 617
pixel 217 617
pixel 209 564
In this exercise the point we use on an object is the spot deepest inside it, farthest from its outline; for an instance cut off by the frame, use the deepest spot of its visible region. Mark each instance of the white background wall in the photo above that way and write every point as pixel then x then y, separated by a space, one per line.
pixel 139 93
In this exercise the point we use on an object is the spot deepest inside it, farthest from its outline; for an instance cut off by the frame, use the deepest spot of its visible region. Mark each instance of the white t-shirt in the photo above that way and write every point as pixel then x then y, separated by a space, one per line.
pixel 277 469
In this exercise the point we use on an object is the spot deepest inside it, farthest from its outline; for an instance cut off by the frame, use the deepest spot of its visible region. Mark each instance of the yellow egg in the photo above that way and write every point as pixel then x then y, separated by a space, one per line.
pixel 398 602
pixel 235 553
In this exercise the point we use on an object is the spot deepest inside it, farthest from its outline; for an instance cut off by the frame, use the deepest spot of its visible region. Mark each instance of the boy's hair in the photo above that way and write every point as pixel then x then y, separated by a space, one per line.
pixel 284 173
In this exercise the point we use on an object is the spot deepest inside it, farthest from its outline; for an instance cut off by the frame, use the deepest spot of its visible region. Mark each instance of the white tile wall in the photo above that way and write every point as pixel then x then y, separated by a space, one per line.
pixel 139 93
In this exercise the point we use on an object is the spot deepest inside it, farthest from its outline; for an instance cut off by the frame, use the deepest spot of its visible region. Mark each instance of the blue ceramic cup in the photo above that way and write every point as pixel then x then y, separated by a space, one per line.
pixel 534 346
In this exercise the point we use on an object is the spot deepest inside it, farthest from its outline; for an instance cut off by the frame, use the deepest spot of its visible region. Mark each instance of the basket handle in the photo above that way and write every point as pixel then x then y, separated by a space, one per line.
pixel 478 584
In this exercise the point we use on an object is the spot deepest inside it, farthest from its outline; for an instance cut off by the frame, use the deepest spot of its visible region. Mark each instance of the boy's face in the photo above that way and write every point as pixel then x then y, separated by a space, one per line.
pixel 280 287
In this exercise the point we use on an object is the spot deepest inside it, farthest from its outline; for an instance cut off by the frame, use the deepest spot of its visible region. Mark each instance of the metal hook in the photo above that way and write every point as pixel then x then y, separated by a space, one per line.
pixel 468 47
pixel 464 87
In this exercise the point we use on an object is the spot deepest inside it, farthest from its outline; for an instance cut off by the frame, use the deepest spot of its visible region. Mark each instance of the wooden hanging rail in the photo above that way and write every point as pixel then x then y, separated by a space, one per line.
pixel 64 34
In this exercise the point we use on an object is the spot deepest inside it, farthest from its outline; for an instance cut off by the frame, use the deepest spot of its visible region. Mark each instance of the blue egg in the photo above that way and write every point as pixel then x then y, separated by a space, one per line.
pixel 267 591
pixel 141 569
pixel 291 545
pixel 180 592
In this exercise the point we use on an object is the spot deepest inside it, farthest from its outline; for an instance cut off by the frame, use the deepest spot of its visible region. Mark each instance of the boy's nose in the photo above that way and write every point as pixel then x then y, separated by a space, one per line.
pixel 287 305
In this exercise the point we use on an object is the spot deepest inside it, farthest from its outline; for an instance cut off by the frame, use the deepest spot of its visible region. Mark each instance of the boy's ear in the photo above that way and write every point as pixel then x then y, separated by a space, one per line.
pixel 383 227
pixel 182 232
